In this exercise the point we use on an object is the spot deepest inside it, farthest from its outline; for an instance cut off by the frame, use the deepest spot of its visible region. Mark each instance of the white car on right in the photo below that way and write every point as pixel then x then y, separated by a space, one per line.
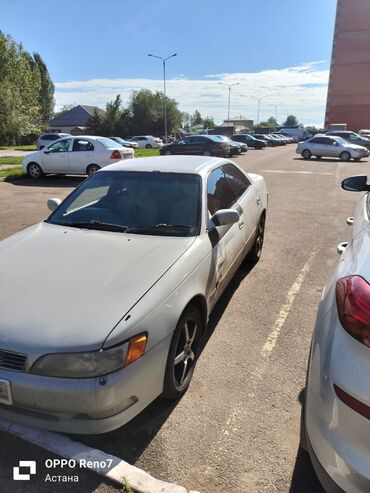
pixel 322 145
pixel 147 141
pixel 335 426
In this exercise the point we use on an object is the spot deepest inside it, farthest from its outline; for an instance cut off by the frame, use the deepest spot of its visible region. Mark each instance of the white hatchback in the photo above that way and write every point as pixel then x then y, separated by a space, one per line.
pixel 81 155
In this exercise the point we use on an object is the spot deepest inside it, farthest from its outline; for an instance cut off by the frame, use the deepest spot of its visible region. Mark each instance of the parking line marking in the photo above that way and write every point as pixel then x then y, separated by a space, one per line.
pixel 295 172
pixel 285 309
pixel 65 447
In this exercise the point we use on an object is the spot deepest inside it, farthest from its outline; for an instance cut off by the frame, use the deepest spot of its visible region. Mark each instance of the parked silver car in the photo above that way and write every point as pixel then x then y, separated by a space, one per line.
pixel 322 145
pixel 103 305
pixel 46 139
pixel 335 426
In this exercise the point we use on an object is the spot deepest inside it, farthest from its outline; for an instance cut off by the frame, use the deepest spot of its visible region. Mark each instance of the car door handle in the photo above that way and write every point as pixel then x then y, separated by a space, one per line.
pixel 241 225
pixel 259 201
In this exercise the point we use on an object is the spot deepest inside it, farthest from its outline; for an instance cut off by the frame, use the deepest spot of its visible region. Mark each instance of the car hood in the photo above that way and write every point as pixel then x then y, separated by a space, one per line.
pixel 64 289
pixel 356 146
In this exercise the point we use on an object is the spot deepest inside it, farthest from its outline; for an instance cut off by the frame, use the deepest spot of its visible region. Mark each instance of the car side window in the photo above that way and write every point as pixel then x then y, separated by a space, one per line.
pixel 82 145
pixel 60 146
pixel 239 183
pixel 327 141
pixel 219 192
pixel 315 141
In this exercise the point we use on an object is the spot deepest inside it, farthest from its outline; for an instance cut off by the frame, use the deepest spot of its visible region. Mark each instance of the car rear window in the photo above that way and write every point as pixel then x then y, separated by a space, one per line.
pixel 108 143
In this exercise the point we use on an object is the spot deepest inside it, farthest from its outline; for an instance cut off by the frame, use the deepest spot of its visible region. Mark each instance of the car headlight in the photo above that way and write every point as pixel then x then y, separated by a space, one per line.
pixel 90 363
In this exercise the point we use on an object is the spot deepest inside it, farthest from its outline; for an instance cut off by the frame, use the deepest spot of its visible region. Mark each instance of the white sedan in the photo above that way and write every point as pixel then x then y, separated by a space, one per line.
pixel 147 141
pixel 82 155
pixel 124 275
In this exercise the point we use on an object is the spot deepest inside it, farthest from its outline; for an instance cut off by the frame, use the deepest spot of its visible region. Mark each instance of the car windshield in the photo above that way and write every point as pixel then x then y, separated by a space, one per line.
pixel 108 142
pixel 152 203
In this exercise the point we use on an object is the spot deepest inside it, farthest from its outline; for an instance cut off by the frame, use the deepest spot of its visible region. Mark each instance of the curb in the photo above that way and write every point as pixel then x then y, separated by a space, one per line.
pixel 119 472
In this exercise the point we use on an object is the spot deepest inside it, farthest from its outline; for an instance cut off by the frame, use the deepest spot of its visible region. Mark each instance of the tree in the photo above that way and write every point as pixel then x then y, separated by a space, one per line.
pixel 186 120
pixel 196 118
pixel 208 122
pixel 145 113
pixel 291 120
pixel 21 86
pixel 46 91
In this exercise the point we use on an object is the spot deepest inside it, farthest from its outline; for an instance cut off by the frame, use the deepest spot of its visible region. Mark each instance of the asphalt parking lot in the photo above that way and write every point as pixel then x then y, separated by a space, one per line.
pixel 237 427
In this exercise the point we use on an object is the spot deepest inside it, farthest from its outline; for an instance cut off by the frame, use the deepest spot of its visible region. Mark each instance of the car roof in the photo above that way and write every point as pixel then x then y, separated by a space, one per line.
pixel 169 164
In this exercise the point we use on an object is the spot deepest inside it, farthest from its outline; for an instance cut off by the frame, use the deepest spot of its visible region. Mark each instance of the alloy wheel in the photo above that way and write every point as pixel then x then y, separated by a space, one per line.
pixel 185 354
pixel 34 170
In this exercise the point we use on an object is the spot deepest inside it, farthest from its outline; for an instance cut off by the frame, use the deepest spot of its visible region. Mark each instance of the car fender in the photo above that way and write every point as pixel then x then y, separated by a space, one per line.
pixel 158 312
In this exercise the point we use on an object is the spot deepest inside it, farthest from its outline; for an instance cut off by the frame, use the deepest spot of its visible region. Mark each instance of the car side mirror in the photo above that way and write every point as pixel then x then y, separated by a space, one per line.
pixel 224 217
pixel 356 184
pixel 54 204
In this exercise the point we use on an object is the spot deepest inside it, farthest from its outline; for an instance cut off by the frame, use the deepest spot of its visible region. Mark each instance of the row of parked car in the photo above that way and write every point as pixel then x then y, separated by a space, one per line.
pixel 138 141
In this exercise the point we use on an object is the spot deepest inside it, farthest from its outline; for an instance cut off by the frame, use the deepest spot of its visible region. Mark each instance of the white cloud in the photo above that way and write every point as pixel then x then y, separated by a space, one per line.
pixel 299 90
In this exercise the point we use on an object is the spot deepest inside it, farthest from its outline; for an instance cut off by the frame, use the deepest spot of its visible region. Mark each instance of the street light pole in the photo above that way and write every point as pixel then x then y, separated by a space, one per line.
pixel 228 103
pixel 164 87
pixel 258 111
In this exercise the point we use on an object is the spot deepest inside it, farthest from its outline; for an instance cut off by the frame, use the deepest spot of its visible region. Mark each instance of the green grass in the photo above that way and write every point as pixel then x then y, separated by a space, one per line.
pixel 146 152
pixel 11 160
pixel 11 173
pixel 20 148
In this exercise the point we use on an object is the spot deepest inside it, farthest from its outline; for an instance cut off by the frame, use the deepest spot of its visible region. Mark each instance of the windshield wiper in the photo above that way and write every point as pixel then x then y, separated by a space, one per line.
pixel 160 227
pixel 99 225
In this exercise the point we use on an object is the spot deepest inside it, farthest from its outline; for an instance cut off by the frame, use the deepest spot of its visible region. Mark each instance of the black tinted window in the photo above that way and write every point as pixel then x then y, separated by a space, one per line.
pixel 237 180
pixel 327 141
pixel 219 192
pixel 82 145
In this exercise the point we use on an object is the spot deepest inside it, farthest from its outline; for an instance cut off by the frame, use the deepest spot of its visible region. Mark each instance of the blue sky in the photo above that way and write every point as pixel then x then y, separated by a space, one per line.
pixel 95 49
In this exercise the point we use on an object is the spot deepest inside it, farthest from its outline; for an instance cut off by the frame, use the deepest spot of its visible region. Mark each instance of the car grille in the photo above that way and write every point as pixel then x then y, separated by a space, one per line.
pixel 12 361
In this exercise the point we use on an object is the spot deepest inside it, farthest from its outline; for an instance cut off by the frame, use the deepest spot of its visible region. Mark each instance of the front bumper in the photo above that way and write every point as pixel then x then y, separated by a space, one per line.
pixel 86 406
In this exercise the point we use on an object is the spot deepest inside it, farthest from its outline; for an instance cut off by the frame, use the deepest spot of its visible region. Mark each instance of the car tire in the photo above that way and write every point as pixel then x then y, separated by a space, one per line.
pixel 207 153
pixel 254 254
pixel 345 156
pixel 306 154
pixel 148 146
pixel 168 153
pixel 302 430
pixel 183 353
pixel 34 170
pixel 91 169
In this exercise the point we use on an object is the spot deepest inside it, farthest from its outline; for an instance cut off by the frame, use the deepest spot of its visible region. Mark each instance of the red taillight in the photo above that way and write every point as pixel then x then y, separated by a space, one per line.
pixel 116 155
pixel 353 303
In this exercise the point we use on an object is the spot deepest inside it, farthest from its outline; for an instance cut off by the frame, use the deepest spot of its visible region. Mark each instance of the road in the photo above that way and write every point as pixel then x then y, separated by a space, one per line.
pixel 237 427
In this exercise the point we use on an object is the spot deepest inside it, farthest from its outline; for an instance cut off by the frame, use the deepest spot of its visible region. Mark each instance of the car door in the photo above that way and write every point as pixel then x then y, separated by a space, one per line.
pixel 248 204
pixel 55 158
pixel 81 156
pixel 316 146
pixel 183 146
pixel 227 241
pixel 330 147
